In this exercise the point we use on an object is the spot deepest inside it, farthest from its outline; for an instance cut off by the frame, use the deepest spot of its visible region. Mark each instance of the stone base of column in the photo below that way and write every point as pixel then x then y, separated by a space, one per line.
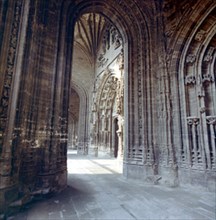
pixel 198 178
pixel 51 182
pixel 136 171
pixel 13 198
pixel 7 197
pixel 169 175
pixel 143 172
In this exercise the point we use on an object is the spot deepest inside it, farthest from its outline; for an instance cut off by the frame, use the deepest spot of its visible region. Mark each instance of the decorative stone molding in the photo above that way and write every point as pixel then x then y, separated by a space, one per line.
pixel 140 95
pixel 120 97
pixel 202 110
pixel 207 78
pixel 190 59
pixel 120 60
pixel 115 37
pixel 190 80
pixel 13 42
pixel 200 35
pixel 201 92
pixel 193 120
pixel 102 61
pixel 94 107
pixel 11 59
pixel 211 120
pixel 209 55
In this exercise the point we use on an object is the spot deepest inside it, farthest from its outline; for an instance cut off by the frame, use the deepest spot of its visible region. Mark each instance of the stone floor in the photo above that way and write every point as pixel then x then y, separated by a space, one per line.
pixel 97 190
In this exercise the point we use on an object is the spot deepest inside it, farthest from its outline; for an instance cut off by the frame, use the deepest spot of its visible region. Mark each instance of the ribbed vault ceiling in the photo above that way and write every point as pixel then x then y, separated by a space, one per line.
pixel 89 31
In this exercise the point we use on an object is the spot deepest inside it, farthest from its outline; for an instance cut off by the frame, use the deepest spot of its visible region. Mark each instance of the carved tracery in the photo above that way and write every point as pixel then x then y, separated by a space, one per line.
pixel 199 89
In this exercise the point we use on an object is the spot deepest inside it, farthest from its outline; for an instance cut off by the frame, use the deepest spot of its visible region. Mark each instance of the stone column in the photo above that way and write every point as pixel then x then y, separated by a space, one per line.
pixel 120 137
pixel 15 27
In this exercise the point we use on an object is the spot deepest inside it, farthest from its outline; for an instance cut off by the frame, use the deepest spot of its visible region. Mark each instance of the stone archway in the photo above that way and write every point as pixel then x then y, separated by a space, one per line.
pixel 42 124
pixel 134 53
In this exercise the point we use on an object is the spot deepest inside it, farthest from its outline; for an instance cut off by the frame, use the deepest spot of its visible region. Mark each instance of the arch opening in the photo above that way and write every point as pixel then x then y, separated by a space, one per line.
pixel 98 66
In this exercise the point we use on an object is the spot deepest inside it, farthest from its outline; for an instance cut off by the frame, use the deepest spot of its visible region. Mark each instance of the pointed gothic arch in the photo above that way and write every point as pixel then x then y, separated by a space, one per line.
pixel 199 80
pixel 195 81
pixel 136 46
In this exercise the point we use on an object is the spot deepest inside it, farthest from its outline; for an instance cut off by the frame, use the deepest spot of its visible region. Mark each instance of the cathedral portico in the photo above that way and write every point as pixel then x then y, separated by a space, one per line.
pixel 130 80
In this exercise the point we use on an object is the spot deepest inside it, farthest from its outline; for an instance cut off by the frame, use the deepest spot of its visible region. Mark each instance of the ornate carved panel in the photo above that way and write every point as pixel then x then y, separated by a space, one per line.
pixel 200 99
pixel 108 102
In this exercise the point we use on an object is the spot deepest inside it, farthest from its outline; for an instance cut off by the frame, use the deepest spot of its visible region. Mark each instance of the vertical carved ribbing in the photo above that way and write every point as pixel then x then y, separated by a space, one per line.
pixel 9 73
pixel 194 137
pixel 211 123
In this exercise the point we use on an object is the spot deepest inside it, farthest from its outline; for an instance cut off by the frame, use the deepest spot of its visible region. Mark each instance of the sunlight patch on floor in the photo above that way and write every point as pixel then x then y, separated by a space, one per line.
pixel 87 166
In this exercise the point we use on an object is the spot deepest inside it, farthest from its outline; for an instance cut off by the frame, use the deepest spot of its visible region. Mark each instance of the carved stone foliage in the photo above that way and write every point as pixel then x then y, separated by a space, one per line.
pixel 207 78
pixel 193 121
pixel 190 59
pixel 8 77
pixel 190 80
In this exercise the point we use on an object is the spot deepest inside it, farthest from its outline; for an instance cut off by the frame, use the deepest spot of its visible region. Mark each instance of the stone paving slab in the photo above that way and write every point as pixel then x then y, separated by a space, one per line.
pixel 97 191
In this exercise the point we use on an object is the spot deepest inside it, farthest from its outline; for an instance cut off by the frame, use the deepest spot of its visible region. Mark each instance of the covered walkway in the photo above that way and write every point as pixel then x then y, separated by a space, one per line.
pixel 97 190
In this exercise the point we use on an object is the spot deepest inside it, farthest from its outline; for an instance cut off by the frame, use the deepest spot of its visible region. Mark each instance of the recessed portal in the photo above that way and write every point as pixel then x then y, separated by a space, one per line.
pixel 98 70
